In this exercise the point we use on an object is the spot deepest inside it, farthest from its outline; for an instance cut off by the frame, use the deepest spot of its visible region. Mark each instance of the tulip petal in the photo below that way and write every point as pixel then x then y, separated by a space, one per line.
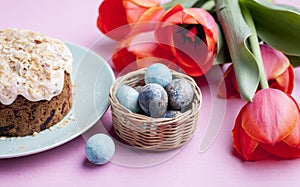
pixel 203 18
pixel 147 22
pixel 141 46
pixel 144 45
pixel 152 14
pixel 169 15
pixel 259 154
pixel 227 87
pixel 286 81
pixel 122 58
pixel 283 150
pixel 166 25
pixel 112 15
pixel 145 3
pixel 275 62
pixel 146 62
pixel 271 117
pixel 293 139
pixel 195 71
pixel 135 10
pixel 244 144
pixel 191 54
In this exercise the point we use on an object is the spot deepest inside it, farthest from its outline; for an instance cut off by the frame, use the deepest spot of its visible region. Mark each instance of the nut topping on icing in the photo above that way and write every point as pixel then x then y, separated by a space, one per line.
pixel 31 65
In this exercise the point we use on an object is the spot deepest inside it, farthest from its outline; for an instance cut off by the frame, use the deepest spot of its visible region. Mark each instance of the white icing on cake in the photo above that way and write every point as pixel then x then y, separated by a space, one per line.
pixel 31 65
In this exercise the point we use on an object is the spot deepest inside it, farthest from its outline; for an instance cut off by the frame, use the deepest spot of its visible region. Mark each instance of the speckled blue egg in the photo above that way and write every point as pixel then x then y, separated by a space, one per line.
pixel 128 97
pixel 159 74
pixel 153 100
pixel 180 94
pixel 99 149
pixel 172 113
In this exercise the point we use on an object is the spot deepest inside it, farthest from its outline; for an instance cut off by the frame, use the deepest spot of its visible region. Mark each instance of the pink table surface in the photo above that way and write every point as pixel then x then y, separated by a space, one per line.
pixel 75 21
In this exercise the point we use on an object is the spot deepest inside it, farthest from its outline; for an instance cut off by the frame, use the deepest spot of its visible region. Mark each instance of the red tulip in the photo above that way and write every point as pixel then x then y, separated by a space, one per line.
pixel 268 125
pixel 279 72
pixel 117 14
pixel 191 35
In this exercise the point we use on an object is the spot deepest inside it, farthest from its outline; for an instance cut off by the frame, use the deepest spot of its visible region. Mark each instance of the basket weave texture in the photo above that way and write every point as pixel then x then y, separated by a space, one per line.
pixel 154 134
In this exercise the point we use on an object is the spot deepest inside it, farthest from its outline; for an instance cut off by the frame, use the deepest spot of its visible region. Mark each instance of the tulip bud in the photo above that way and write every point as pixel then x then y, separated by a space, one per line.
pixel 268 125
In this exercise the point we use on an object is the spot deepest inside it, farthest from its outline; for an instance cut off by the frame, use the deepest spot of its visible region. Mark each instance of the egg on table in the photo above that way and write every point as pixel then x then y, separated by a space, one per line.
pixel 99 149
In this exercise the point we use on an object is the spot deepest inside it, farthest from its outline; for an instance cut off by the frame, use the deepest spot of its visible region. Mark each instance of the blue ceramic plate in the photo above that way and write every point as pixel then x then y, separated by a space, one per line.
pixel 92 78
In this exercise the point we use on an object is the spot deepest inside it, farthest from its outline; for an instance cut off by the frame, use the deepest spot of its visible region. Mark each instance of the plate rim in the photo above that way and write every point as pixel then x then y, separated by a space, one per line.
pixel 78 132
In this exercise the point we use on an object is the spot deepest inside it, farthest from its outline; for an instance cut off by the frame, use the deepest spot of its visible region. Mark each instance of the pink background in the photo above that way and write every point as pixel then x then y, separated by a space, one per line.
pixel 75 21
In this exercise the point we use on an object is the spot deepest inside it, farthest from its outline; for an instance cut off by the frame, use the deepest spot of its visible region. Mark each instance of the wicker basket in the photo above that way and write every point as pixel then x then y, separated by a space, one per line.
pixel 155 134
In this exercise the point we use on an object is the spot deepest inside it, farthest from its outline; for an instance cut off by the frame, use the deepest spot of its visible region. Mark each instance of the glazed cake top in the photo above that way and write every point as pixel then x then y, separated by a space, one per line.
pixel 31 65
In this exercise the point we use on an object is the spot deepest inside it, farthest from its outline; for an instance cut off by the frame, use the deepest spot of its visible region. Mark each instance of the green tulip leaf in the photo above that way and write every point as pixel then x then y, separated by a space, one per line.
pixel 236 33
pixel 277 25
pixel 290 8
pixel 223 55
pixel 294 60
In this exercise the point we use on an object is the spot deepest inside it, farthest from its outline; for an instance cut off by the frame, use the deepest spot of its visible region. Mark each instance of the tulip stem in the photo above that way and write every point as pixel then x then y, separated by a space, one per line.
pixel 254 43
pixel 208 5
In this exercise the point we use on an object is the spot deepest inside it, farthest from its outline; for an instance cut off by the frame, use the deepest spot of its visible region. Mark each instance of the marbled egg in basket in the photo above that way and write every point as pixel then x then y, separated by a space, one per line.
pixel 153 100
pixel 180 94
pixel 172 113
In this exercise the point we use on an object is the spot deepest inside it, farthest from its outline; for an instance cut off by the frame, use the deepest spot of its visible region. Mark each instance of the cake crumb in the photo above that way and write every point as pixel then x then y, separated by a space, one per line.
pixel 34 134
pixel 64 123
pixel 71 117
pixel 51 128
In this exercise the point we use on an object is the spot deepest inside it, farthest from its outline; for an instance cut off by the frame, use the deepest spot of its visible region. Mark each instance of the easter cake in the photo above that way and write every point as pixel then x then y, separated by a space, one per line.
pixel 35 84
